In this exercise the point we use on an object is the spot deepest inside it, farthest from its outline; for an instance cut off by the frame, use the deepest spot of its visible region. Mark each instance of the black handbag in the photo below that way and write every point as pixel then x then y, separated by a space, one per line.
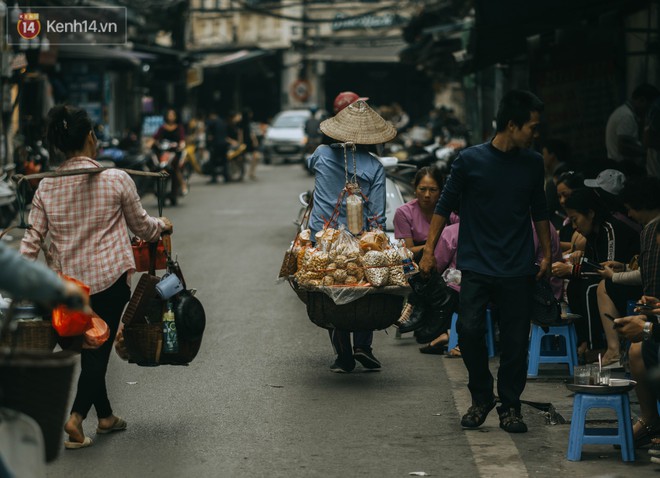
pixel 546 309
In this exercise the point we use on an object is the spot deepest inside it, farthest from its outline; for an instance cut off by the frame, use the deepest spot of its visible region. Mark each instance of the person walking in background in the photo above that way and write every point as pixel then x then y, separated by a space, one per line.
pixel 357 123
pixel 87 217
pixel 249 137
pixel 216 140
pixel 622 133
pixel 499 185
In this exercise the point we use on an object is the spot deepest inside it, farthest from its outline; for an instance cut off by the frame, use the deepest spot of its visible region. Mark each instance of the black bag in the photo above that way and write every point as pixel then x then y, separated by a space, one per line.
pixel 546 309
pixel 189 316
pixel 432 290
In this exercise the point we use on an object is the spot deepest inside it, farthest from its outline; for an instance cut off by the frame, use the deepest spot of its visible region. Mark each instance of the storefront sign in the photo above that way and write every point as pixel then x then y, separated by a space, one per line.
pixel 350 22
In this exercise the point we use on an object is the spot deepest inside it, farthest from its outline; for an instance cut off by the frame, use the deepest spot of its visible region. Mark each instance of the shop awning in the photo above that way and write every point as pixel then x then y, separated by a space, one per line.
pixel 217 60
pixel 362 54
pixel 102 53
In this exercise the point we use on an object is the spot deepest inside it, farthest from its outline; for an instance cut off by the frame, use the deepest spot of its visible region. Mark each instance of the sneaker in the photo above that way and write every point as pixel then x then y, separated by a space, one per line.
pixel 341 366
pixel 511 420
pixel 405 314
pixel 367 359
pixel 476 415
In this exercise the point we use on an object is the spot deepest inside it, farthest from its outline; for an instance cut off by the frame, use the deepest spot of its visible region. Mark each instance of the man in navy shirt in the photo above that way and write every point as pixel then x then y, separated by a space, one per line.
pixel 497 185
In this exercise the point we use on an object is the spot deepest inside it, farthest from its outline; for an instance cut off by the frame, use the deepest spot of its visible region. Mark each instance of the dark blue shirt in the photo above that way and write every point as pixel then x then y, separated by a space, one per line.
pixel 496 192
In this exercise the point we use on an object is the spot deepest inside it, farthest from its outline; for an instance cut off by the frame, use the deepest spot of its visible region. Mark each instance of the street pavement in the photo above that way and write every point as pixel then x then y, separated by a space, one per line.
pixel 259 400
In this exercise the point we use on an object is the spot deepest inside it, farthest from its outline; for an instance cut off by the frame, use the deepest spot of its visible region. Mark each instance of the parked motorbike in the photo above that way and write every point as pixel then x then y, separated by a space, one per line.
pixel 31 158
pixel 8 201
pixel 112 153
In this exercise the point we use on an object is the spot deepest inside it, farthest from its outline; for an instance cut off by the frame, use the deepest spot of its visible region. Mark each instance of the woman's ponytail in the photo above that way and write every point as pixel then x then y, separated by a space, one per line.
pixel 68 128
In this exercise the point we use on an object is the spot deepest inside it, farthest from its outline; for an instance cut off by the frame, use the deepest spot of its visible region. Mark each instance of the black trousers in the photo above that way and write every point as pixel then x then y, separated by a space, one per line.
pixel 218 159
pixel 512 296
pixel 109 305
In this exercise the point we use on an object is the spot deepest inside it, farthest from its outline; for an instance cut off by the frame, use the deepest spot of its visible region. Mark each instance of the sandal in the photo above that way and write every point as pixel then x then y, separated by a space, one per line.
pixel 646 433
pixel 455 352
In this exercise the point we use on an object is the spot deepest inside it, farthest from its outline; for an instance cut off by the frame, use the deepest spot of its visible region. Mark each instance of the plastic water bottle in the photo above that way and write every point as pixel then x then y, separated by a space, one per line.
pixel 170 339
pixel 406 259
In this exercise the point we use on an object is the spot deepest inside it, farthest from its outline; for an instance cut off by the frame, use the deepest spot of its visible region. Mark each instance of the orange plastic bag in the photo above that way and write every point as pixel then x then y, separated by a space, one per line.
pixel 141 254
pixel 97 334
pixel 69 323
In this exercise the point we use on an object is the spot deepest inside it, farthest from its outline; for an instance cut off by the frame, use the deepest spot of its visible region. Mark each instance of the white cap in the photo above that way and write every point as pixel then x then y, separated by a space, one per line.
pixel 609 180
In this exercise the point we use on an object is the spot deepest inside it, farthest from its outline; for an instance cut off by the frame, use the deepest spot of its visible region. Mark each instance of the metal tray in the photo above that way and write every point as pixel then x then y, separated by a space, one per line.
pixel 600 389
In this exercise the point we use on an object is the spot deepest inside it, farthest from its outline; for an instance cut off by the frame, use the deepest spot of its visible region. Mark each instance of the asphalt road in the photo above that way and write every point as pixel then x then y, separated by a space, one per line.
pixel 259 400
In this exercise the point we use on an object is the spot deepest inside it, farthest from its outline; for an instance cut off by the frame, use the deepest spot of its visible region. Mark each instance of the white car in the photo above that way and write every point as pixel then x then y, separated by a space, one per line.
pixel 285 139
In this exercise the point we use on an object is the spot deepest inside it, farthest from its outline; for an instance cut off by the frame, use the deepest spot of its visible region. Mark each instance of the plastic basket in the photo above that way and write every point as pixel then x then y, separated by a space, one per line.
pixel 38 384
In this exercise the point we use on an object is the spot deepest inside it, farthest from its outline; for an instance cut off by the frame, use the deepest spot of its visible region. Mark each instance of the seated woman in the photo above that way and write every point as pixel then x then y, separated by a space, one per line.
pixel 411 223
pixel 643 330
pixel 571 240
pixel 607 239
pixel 622 283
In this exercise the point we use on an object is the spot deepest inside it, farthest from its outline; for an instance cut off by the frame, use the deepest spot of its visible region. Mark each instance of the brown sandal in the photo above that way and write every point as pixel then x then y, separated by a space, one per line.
pixel 455 352
pixel 646 433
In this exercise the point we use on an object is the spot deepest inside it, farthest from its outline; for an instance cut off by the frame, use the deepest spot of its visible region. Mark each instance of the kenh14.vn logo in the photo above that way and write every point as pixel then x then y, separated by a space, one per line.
pixel 28 25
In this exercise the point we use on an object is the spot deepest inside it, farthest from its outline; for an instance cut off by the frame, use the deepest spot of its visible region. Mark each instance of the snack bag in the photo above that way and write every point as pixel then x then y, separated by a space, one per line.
pixel 376 268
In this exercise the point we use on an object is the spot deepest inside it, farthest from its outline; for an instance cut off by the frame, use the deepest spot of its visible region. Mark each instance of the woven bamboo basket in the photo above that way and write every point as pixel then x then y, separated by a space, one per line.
pixel 144 343
pixel 38 384
pixel 31 335
pixel 377 310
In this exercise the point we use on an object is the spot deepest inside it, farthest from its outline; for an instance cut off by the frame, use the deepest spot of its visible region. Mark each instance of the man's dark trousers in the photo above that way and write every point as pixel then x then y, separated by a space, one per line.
pixel 512 296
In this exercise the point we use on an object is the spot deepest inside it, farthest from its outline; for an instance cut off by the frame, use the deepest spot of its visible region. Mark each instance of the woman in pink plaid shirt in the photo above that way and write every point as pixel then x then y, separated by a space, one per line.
pixel 87 217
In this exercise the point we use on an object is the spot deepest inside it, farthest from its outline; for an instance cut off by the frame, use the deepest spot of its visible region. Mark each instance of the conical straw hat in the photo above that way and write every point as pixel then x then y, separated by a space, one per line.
pixel 359 124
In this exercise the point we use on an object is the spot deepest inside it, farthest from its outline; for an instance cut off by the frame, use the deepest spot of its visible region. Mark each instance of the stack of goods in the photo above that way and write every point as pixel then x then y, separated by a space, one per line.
pixel 340 259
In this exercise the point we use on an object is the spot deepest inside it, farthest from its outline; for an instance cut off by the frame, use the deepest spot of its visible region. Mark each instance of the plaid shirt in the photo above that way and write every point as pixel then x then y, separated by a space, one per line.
pixel 87 218
pixel 649 259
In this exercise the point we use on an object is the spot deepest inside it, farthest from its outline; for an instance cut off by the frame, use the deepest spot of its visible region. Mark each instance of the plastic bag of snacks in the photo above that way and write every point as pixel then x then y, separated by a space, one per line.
pixel 376 266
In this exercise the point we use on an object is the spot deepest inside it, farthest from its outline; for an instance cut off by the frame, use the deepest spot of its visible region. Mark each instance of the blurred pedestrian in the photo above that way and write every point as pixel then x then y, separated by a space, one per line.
pixel 216 139
pixel 252 153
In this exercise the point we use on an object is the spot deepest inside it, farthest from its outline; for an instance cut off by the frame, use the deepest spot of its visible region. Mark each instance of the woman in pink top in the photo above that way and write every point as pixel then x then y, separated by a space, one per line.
pixel 411 223
pixel 86 217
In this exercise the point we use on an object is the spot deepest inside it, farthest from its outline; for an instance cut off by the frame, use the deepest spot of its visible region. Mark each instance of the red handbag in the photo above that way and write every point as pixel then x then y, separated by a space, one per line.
pixel 142 254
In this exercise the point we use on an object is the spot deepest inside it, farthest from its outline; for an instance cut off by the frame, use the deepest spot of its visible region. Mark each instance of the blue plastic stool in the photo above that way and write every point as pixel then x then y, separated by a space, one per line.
pixel 490 336
pixel 622 435
pixel 539 352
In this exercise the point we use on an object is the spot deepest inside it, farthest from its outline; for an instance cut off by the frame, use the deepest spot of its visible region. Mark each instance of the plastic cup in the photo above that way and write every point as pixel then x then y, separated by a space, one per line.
pixel 169 286
pixel 605 375
pixel 582 374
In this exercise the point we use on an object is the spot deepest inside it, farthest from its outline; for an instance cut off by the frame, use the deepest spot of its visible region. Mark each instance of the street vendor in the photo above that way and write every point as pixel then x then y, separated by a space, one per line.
pixel 87 217
pixel 357 128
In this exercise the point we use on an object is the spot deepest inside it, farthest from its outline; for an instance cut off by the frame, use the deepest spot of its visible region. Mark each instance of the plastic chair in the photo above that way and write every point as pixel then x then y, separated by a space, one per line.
pixel 580 435
pixel 540 353
pixel 490 335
